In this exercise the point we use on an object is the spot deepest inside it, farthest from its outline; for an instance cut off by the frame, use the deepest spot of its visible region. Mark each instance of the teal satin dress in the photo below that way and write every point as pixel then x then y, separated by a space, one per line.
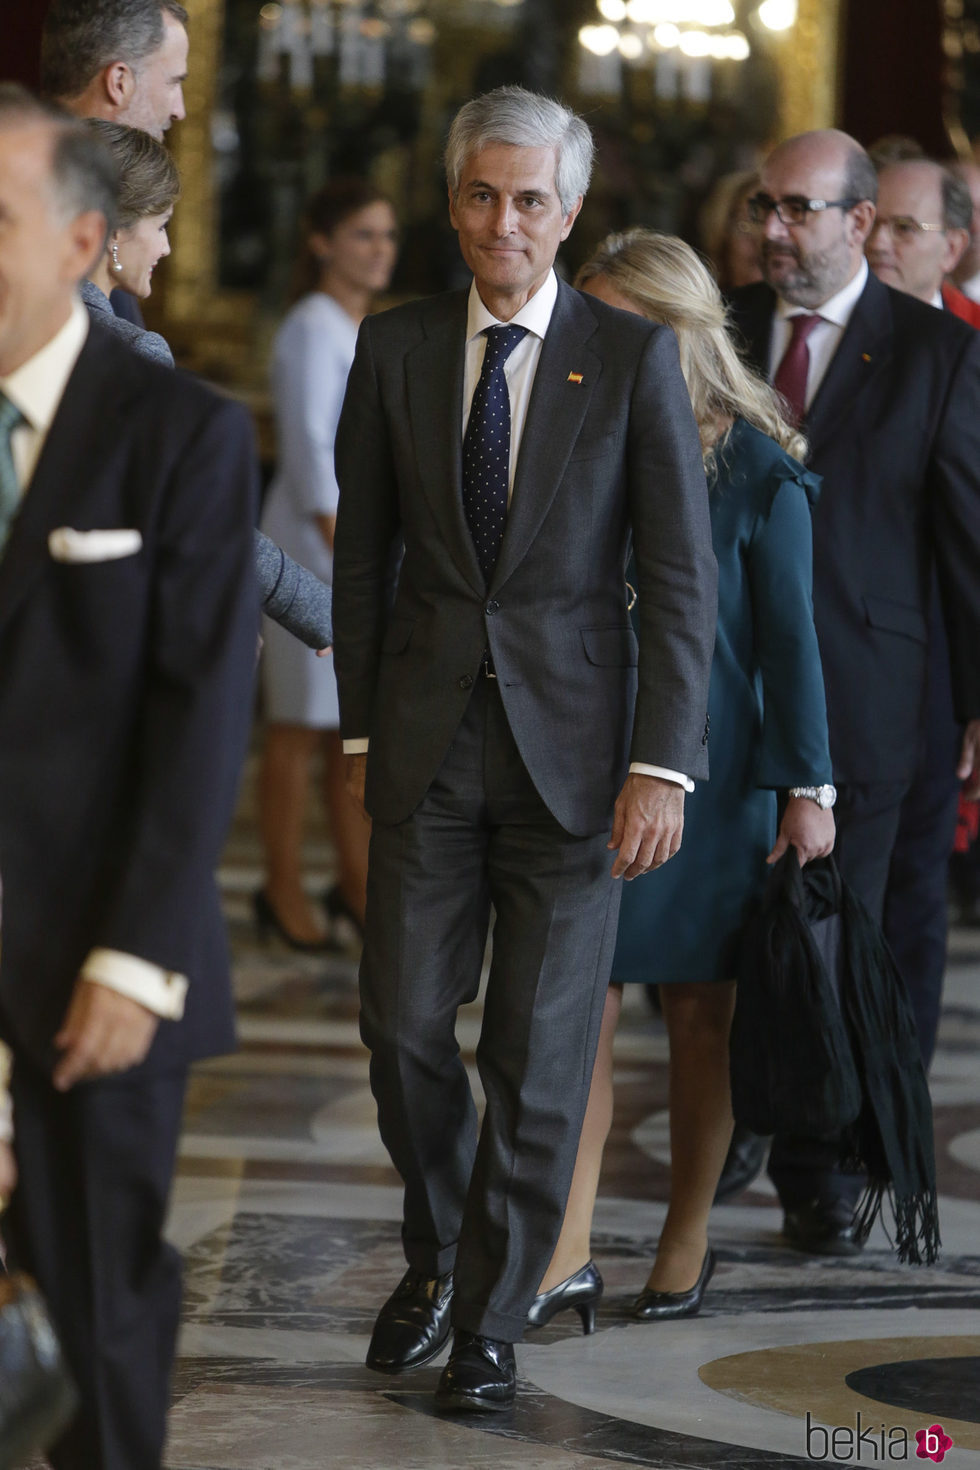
pixel 768 721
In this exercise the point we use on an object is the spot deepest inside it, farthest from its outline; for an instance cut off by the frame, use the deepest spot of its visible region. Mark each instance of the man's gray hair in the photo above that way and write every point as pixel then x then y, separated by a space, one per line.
pixel 957 202
pixel 520 119
pixel 82 37
pixel 84 174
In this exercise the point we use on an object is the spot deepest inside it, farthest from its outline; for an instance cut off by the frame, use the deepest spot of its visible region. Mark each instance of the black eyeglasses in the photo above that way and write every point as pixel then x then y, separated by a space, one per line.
pixel 792 210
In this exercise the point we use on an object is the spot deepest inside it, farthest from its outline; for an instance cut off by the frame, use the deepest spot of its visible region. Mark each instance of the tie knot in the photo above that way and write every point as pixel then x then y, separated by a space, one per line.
pixel 10 415
pixel 802 326
pixel 501 342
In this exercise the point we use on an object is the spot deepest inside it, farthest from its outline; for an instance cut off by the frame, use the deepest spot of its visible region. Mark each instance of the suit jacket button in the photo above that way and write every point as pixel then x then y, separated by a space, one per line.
pixel 491 608
pixel 466 682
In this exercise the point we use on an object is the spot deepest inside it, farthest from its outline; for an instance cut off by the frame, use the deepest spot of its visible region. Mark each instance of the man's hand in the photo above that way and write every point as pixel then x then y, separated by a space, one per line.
pixel 8 1173
pixel 806 826
pixel 647 824
pixel 103 1032
pixel 356 775
pixel 968 769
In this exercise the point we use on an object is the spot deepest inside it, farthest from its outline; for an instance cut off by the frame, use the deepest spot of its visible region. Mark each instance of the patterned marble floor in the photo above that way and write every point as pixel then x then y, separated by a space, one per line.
pixel 287 1211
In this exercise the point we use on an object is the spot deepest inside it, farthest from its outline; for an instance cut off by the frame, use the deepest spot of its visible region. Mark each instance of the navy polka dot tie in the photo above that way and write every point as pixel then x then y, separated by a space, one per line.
pixel 486 449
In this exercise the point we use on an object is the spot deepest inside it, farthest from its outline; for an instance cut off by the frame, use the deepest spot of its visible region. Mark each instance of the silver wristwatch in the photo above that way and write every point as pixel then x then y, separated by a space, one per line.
pixel 824 796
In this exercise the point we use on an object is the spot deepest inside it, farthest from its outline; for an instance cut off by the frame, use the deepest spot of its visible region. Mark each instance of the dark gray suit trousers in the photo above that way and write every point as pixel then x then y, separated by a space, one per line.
pixel 489 1201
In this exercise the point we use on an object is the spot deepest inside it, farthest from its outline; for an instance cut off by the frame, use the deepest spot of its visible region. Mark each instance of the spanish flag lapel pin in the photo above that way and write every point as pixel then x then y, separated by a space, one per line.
pixel 865 357
pixel 574 378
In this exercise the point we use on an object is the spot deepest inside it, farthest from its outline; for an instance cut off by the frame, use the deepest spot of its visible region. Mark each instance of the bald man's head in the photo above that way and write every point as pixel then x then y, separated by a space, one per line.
pixel 828 181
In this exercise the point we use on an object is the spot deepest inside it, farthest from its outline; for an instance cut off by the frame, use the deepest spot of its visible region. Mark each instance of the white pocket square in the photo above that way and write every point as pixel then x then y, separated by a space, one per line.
pixel 66 544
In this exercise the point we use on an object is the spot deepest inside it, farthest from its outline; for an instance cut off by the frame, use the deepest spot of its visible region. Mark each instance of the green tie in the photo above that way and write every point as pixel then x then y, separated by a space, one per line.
pixel 10 417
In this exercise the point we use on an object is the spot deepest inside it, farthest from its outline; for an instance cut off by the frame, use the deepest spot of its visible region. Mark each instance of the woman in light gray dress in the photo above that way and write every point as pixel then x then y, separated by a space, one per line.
pixel 349 257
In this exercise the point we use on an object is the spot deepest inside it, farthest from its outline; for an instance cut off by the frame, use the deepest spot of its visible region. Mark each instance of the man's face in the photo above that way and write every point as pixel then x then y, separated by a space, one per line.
pixel 808 263
pixel 42 255
pixel 158 83
pixel 899 251
pixel 510 222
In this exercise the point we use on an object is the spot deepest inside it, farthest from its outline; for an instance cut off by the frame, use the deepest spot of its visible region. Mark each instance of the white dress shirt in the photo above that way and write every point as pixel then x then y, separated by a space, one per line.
pixel 971 287
pixel 825 339
pixel 519 371
pixel 36 388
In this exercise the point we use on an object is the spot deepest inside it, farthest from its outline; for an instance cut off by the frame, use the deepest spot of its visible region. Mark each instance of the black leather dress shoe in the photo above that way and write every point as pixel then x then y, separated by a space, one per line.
pixel 822 1229
pixel 745 1158
pixel 581 1292
pixel 664 1306
pixel 413 1325
pixel 481 1375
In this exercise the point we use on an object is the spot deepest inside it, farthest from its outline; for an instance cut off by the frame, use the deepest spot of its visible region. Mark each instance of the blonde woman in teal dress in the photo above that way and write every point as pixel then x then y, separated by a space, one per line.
pixel 768 721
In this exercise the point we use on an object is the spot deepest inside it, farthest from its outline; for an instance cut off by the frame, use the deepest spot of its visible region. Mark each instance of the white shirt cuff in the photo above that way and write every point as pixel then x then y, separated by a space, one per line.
pixel 356 747
pixel 160 991
pixel 640 769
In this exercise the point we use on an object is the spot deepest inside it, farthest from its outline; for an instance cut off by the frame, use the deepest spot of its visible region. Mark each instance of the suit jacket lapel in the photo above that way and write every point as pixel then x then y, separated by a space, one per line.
pixel 863 351
pixel 554 417
pixel 80 435
pixel 434 371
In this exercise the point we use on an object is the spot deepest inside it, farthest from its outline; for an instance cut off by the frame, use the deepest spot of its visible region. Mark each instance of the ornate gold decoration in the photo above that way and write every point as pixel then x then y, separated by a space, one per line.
pixel 808 58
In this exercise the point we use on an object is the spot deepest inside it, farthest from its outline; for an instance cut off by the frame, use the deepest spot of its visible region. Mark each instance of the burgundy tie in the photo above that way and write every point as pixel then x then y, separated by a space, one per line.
pixel 792 372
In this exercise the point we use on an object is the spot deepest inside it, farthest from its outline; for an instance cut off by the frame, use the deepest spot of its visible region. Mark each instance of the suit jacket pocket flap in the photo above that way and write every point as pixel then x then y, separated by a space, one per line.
pixel 592 447
pixel 397 634
pixel 896 617
pixel 613 648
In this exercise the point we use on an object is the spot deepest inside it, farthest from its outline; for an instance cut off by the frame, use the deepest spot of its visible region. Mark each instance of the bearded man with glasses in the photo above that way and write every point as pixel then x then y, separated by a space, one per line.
pixel 887 391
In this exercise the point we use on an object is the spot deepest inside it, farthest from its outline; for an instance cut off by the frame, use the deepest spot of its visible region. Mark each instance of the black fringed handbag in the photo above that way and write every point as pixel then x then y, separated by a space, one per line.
pixel 824 1044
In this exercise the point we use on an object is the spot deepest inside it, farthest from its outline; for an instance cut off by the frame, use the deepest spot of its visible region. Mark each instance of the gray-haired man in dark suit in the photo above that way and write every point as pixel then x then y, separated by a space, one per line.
pixel 513 437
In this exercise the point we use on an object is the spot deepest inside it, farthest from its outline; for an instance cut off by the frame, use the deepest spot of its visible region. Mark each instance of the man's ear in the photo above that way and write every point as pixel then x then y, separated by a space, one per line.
pixel 571 217
pixel 862 216
pixel 85 241
pixel 956 243
pixel 119 83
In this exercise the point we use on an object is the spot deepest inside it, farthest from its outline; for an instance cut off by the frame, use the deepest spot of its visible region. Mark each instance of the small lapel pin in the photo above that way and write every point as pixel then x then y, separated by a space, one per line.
pixel 865 357
pixel 574 378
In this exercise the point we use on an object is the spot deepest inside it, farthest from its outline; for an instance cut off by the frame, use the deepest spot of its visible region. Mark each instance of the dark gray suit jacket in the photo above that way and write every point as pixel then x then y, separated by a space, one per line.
pixel 894 430
pixel 616 452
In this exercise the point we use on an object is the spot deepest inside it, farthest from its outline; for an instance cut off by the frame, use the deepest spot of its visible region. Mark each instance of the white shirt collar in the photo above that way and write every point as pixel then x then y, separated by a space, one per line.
pixel 36 387
pixel 837 309
pixel 937 300
pixel 535 314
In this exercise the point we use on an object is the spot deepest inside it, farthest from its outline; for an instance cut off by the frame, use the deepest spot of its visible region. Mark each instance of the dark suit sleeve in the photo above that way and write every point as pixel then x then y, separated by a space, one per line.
pixel 678 577
pixel 368 522
pixel 954 485
pixel 192 717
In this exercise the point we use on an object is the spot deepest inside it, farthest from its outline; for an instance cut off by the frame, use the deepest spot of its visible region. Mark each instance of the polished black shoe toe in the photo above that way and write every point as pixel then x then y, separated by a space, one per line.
pixel 665 1306
pixel 581 1293
pixel 743 1163
pixel 481 1375
pixel 413 1325
pixel 822 1229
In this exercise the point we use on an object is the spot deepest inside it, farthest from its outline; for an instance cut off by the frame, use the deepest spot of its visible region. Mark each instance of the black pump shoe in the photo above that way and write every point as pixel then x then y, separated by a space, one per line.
pixel 664 1306
pixel 413 1325
pixel 481 1375
pixel 267 922
pixel 582 1292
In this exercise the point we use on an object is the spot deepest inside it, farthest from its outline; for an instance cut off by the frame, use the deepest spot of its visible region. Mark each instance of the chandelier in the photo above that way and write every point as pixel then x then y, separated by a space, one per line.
pixel 642 29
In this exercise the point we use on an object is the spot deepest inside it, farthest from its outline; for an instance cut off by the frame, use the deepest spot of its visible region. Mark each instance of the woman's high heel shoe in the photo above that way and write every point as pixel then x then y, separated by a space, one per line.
pixel 267 922
pixel 582 1292
pixel 664 1306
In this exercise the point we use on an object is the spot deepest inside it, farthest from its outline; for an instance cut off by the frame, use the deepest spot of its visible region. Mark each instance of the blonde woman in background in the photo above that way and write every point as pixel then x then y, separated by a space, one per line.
pixel 678 926
pixel 728 236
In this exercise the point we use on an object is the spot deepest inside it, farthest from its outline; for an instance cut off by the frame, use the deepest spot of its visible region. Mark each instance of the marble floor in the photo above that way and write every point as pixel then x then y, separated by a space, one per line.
pixel 287 1211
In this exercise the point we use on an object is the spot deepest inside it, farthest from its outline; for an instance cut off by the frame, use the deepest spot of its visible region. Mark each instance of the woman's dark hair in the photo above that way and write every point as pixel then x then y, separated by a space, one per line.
pixel 148 179
pixel 328 208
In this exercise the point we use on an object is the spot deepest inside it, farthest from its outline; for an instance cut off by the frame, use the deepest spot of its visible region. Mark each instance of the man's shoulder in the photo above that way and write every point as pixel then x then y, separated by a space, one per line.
pixel 754 300
pixel 152 384
pixel 424 314
pixel 918 325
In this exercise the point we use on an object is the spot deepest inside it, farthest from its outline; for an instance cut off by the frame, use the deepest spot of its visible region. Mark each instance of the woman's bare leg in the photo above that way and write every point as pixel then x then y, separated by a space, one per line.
pixel 699 1019
pixel 283 789
pixel 349 827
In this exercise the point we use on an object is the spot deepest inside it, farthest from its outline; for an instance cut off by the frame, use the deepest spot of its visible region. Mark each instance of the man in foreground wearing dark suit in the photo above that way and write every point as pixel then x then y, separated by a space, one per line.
pixel 127 649
pixel 497 703
pixel 888 393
